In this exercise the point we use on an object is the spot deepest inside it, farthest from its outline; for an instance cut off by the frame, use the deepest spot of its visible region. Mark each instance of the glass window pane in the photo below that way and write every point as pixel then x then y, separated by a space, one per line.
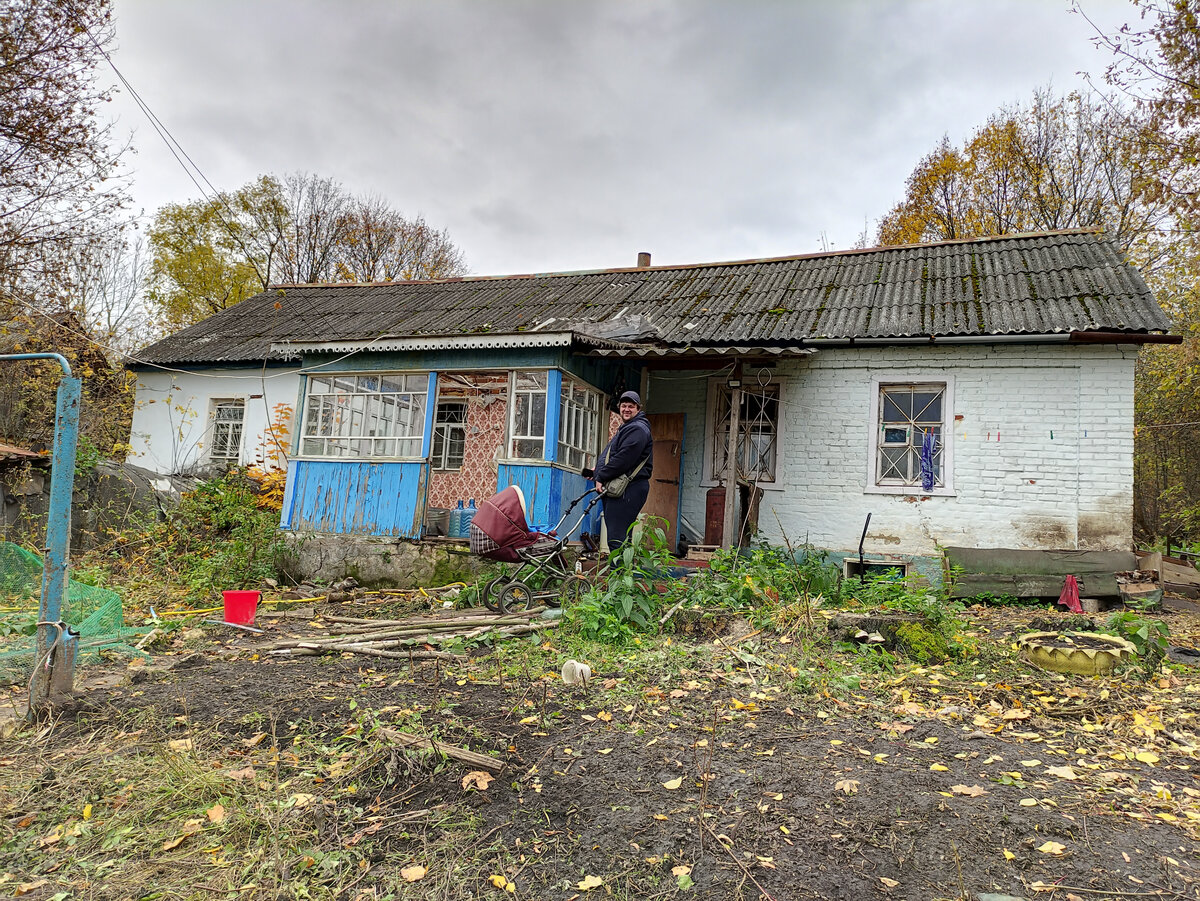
pixel 537 415
pixel 891 410
pixel 927 406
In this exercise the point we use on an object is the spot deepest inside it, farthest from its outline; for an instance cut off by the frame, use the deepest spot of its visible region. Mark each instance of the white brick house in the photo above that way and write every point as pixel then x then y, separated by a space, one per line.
pixel 971 393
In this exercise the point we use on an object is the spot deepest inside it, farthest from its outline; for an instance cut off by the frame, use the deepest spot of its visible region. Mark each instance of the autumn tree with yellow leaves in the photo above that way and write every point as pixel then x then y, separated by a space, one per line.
pixel 1126 164
pixel 299 229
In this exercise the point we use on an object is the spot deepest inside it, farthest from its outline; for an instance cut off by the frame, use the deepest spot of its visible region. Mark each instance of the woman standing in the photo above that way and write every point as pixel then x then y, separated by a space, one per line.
pixel 630 453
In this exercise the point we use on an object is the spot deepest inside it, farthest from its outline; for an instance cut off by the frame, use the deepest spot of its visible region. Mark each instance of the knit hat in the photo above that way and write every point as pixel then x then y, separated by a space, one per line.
pixel 630 397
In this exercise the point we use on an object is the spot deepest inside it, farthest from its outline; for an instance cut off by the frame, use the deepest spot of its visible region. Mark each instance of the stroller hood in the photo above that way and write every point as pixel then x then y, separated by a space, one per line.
pixel 502 519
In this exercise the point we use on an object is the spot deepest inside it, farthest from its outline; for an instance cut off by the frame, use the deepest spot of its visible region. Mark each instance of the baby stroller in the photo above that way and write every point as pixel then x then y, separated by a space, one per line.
pixel 500 532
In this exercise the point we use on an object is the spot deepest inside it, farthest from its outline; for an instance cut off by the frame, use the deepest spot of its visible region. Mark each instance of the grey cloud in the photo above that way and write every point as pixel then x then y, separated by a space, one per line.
pixel 569 135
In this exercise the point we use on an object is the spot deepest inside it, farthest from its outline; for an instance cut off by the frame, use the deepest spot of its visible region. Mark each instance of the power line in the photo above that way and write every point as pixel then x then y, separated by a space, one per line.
pixel 177 151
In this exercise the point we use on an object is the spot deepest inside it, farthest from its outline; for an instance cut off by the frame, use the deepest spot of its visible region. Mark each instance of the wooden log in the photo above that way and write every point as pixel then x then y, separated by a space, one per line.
pixel 462 755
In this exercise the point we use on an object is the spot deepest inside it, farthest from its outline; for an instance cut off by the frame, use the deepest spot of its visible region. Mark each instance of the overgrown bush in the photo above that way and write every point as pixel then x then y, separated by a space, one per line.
pixel 1150 636
pixel 764 579
pixel 219 537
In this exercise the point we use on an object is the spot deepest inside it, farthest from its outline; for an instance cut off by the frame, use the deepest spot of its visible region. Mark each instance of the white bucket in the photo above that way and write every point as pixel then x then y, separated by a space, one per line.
pixel 574 672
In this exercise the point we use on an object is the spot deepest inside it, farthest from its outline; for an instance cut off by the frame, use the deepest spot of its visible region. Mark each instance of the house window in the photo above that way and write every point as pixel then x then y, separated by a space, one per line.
pixel 228 417
pixel 578 424
pixel 449 434
pixel 903 415
pixel 364 415
pixel 758 431
pixel 527 416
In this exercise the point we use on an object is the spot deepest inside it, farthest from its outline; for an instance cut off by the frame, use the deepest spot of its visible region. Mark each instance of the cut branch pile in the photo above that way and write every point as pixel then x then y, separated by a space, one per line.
pixel 400 638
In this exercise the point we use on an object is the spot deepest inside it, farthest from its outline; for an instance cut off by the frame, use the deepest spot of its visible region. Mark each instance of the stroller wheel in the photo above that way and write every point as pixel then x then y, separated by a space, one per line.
pixel 515 596
pixel 490 595
pixel 572 591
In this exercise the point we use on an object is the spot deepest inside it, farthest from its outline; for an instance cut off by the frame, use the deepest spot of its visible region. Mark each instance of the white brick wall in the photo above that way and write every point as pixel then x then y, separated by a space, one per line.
pixel 1015 485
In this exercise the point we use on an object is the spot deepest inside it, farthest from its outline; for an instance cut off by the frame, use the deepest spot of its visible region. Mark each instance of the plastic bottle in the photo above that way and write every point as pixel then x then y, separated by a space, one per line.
pixel 467 516
pixel 456 517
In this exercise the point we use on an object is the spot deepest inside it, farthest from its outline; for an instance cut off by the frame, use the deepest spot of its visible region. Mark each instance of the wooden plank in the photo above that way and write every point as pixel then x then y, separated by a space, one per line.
pixel 460 754
pixel 1032 585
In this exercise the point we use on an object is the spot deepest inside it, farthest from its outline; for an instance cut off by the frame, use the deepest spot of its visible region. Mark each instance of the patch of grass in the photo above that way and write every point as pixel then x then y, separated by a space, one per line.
pixel 167 805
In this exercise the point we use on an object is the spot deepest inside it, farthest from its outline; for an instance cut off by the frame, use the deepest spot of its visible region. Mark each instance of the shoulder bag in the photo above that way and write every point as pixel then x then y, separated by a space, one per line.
pixel 616 487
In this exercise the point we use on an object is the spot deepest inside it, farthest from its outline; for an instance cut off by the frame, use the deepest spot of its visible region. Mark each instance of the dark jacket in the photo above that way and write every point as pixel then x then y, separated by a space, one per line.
pixel 630 446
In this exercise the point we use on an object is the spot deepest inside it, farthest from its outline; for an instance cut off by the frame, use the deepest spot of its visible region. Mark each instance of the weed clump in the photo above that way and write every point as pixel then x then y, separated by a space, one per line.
pixel 221 536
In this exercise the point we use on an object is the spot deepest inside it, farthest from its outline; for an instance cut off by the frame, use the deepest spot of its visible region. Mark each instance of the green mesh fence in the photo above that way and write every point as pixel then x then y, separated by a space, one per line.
pixel 94 613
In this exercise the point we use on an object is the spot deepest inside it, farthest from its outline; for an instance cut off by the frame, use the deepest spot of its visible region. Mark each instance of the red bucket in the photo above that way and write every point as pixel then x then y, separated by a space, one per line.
pixel 240 606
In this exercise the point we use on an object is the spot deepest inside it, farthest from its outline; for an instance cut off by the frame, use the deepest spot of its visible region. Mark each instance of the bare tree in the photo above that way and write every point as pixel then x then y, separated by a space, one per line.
pixel 381 245
pixel 56 160
pixel 108 296
pixel 301 229
pixel 1058 162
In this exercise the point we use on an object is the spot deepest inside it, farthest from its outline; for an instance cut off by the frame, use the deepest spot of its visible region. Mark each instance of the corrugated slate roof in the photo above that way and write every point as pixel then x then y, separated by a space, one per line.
pixel 1021 284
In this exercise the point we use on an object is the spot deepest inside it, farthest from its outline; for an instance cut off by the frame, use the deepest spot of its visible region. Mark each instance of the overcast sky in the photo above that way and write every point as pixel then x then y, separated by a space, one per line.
pixel 561 134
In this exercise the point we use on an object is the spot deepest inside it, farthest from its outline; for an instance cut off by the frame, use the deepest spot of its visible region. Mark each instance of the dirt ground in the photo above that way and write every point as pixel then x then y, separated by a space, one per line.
pixel 735 767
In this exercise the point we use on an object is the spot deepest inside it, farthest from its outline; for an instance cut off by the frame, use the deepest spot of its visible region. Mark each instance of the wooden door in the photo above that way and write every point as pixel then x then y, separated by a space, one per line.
pixel 667 431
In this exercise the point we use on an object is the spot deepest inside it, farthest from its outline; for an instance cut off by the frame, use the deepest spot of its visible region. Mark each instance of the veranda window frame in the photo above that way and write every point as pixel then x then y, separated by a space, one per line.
pixel 364 415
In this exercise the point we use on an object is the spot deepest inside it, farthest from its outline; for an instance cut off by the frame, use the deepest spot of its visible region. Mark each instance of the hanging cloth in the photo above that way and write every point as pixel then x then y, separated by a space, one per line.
pixel 928 444
pixel 1070 595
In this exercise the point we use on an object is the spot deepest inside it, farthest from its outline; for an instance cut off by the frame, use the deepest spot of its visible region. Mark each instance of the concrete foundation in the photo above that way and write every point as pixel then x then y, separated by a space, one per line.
pixel 380 562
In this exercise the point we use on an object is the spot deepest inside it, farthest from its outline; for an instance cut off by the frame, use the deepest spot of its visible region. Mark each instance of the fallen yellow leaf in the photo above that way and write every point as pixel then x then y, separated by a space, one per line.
pixel 589 882
pixel 938 768
pixel 1008 855
pixel 849 786
pixel 1148 757
pixel 477 779
pixel 1052 848
pixel 890 883
pixel 971 791
pixel 672 784
pixel 215 814
pixel 190 828
pixel 413 873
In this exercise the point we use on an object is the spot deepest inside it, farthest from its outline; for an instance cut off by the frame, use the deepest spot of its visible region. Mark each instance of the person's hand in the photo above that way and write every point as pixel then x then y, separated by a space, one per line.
pixel 599 488
pixel 587 473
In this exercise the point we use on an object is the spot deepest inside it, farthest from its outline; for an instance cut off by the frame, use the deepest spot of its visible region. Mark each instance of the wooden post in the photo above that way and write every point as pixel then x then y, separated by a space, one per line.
pixel 731 467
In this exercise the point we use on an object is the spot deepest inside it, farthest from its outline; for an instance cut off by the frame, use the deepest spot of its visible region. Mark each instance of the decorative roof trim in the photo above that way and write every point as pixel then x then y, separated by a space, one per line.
pixel 650 351
pixel 440 342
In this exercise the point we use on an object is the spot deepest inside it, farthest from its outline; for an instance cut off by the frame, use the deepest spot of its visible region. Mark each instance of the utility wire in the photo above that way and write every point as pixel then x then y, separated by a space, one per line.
pixel 180 155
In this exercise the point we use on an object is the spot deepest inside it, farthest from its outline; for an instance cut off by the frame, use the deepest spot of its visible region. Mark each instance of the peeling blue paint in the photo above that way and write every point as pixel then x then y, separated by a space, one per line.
pixel 548 490
pixel 355 497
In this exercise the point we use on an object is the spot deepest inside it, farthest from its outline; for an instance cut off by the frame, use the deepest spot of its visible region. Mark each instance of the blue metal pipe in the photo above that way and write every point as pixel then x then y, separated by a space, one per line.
pixel 50 653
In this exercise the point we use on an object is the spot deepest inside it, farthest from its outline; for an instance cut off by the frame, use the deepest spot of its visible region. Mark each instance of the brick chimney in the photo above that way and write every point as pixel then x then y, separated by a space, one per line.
pixel 643 259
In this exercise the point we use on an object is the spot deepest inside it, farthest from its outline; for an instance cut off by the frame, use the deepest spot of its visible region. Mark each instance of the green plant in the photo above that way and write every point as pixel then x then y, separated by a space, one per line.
pixel 923 644
pixel 937 635
pixel 1149 636
pixel 87 456
pixel 628 600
